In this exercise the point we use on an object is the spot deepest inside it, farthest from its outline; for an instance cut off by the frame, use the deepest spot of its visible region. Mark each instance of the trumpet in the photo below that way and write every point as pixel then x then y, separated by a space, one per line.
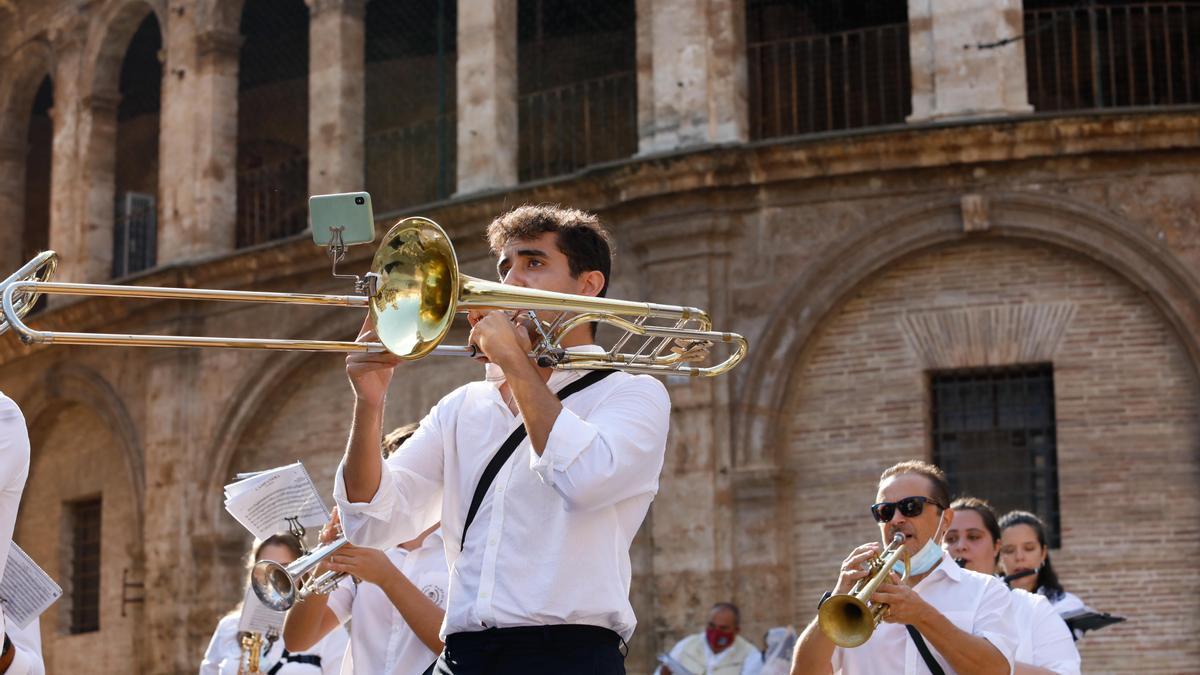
pixel 279 587
pixel 413 293
pixel 848 620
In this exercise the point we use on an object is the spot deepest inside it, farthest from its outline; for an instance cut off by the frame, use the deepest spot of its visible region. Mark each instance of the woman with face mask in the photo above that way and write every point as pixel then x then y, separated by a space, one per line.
pixel 1045 645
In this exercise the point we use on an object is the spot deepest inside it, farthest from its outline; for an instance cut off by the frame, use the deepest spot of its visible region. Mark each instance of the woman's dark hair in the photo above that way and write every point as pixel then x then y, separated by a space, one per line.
pixel 285 539
pixel 1047 580
pixel 986 514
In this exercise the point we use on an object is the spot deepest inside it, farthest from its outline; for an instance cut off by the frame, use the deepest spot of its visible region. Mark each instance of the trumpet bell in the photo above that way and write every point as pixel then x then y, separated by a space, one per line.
pixel 846 620
pixel 418 288
pixel 273 585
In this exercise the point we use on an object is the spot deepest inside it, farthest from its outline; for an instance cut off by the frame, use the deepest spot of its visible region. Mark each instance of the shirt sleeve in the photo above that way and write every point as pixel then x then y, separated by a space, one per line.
pixel 1053 646
pixel 332 651
pixel 614 454
pixel 27 645
pixel 215 654
pixel 14 469
pixel 409 498
pixel 341 599
pixel 994 622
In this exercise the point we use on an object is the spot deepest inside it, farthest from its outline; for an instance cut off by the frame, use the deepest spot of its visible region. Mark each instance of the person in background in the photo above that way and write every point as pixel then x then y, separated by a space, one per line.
pixel 719 649
pixel 224 653
pixel 1023 549
pixel 1045 646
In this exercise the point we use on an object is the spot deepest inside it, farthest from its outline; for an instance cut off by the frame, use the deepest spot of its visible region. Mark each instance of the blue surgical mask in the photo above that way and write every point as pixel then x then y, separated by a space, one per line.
pixel 926 559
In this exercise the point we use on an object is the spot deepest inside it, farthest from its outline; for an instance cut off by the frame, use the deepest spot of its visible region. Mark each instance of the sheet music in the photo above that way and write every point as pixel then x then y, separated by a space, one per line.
pixel 265 501
pixel 257 617
pixel 26 590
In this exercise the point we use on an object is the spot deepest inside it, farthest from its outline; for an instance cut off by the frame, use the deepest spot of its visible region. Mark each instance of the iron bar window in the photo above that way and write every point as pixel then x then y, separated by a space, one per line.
pixel 85 564
pixel 817 67
pixel 994 436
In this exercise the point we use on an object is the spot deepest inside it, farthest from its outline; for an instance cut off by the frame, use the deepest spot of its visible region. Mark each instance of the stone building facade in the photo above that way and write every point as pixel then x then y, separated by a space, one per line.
pixel 975 233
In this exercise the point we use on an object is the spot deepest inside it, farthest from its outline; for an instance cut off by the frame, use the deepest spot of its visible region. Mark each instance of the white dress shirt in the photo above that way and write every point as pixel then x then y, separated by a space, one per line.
pixel 381 642
pixel 978 604
pixel 550 542
pixel 1044 639
pixel 224 653
pixel 27 643
pixel 14 469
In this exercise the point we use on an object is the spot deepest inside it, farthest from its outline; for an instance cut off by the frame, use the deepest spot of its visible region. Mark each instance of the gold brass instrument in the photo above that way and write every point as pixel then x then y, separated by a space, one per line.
pixel 414 292
pixel 279 586
pixel 39 269
pixel 248 663
pixel 848 620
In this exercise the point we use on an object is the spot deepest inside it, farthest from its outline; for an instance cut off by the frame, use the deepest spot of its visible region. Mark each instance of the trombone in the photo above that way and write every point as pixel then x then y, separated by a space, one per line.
pixel 413 292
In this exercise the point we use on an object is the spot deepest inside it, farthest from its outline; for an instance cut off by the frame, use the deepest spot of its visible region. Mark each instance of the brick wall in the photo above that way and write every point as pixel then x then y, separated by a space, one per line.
pixel 1125 396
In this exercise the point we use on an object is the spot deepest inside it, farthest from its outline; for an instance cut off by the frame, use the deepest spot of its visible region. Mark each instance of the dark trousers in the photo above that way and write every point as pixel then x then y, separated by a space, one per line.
pixel 533 650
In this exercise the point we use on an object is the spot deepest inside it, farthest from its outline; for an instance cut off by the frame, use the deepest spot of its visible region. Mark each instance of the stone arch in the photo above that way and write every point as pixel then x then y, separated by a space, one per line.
pixel 74 383
pixel 104 53
pixel 1097 235
pixel 20 81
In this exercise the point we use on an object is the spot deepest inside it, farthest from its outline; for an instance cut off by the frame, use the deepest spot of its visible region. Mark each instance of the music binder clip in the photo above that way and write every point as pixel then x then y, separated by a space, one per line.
pixel 297 530
pixel 368 284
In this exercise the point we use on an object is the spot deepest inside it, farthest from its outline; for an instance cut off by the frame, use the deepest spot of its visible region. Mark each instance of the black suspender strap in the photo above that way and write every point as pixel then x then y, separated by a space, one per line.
pixel 930 662
pixel 311 659
pixel 510 444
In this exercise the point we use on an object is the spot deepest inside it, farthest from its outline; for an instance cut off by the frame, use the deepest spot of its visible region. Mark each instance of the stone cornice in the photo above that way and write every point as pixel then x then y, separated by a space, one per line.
pixel 102 101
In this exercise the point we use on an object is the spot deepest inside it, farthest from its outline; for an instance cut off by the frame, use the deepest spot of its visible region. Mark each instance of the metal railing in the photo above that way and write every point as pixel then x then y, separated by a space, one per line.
pixel 411 164
pixel 272 201
pixel 1115 55
pixel 828 82
pixel 566 128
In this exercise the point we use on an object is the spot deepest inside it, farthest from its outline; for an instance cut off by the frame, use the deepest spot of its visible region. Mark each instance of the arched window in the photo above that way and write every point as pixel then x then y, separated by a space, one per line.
pixel 410 101
pixel 36 233
pixel 272 162
pixel 577 84
pixel 825 66
pixel 135 183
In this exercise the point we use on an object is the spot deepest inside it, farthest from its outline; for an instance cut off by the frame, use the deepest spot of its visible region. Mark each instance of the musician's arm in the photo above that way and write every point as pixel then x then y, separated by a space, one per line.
pixel 311 619
pixel 989 649
pixel 813 653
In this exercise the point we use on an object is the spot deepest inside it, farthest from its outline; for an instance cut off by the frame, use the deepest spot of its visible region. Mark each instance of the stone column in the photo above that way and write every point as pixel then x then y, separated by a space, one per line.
pixel 336 95
pixel 487 95
pixel 177 119
pixel 684 261
pixel 692 77
pixel 12 201
pixel 205 211
pixel 98 134
pixel 171 457
pixel 66 223
pixel 959 71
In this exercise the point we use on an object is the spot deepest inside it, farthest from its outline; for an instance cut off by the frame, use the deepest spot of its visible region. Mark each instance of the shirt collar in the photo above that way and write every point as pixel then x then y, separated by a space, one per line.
pixel 948 568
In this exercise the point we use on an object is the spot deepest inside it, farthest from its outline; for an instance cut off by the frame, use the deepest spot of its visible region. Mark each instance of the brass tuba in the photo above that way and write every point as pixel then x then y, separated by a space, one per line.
pixel 848 620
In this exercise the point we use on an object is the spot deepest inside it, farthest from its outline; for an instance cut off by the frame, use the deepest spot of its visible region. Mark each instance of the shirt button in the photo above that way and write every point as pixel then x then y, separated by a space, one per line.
pixel 493 541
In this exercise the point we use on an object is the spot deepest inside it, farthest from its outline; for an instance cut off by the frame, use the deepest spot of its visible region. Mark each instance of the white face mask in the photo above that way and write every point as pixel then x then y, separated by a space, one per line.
pixel 925 559
pixel 492 373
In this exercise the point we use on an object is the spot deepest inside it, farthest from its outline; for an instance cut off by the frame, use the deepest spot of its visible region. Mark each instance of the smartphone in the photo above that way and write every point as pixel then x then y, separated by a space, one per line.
pixel 350 211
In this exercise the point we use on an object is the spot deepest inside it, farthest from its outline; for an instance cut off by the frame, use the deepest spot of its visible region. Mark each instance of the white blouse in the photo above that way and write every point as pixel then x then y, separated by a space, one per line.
pixel 1043 638
pixel 225 652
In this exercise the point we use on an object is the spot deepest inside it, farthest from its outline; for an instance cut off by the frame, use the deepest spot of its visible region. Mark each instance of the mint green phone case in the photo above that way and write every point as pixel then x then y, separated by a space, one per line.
pixel 350 211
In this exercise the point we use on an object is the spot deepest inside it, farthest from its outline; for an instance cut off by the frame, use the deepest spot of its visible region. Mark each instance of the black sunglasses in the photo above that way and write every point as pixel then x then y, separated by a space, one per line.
pixel 910 507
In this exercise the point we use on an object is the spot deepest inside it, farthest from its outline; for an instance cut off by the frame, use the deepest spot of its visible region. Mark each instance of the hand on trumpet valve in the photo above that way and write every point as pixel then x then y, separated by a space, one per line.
pixel 903 603
pixel 367 564
pixel 856 566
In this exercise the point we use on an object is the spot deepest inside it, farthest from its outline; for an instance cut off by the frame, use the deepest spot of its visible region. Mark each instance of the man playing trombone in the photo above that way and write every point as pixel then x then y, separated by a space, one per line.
pixel 941 619
pixel 538 543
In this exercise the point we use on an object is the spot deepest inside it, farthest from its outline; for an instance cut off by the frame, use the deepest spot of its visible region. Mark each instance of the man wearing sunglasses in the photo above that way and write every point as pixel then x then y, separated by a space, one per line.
pixel 943 619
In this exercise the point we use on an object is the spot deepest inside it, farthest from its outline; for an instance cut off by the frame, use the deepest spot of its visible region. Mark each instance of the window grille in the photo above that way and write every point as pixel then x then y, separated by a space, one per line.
pixel 134 234
pixel 85 565
pixel 994 436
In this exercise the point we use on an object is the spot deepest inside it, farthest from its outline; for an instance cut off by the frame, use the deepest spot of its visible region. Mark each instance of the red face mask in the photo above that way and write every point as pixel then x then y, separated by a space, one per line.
pixel 718 639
